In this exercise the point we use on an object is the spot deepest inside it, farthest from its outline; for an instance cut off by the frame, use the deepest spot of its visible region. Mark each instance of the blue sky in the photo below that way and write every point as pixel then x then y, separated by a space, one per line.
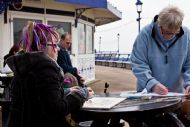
pixel 128 26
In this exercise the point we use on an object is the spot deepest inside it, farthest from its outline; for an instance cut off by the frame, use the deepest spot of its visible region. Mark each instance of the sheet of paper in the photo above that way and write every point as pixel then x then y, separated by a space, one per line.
pixel 170 94
pixel 3 75
pixel 6 69
pixel 102 102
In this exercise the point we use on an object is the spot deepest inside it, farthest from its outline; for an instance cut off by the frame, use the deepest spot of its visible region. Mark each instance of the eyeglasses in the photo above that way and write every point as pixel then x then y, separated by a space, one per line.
pixel 168 32
pixel 53 45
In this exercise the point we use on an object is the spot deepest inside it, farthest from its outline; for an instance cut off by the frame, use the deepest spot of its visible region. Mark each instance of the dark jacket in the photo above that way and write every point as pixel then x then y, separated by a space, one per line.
pixel 5 58
pixel 37 93
pixel 64 61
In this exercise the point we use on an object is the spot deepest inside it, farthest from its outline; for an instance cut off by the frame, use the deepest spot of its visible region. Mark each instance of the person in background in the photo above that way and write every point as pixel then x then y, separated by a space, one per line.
pixel 14 49
pixel 160 57
pixel 64 60
pixel 37 93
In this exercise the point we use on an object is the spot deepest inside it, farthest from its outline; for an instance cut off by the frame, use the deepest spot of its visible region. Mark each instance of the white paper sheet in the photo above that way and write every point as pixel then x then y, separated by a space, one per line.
pixel 2 75
pixel 170 94
pixel 102 102
pixel 6 69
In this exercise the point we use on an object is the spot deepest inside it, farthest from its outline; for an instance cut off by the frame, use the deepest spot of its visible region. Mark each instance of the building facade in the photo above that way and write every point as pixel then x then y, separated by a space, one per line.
pixel 76 17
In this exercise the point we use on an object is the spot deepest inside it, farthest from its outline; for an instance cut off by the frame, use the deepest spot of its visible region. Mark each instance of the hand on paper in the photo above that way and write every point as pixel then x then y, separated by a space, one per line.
pixel 160 89
pixel 187 91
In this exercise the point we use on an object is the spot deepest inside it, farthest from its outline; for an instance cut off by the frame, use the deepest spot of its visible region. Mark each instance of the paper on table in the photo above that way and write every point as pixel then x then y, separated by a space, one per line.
pixel 6 69
pixel 170 94
pixel 102 102
pixel 3 75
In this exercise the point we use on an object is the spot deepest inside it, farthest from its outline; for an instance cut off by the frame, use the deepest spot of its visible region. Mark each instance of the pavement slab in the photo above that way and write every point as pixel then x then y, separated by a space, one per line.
pixel 119 79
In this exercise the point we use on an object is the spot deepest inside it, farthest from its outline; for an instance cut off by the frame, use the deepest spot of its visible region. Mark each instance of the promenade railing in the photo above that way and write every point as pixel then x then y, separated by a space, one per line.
pixel 113 59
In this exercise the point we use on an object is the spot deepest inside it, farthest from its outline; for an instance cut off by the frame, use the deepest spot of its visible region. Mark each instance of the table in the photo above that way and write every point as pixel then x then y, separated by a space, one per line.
pixel 132 110
pixel 5 99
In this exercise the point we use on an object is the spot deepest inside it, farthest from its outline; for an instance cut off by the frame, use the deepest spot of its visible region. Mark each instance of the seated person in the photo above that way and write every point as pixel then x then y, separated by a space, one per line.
pixel 37 92
pixel 71 84
pixel 64 60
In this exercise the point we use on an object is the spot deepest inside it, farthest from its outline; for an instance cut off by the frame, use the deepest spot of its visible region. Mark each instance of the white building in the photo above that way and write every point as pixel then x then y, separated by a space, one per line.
pixel 78 17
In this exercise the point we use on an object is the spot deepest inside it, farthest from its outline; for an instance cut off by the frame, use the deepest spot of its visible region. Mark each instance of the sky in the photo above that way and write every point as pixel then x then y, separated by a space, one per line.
pixel 128 26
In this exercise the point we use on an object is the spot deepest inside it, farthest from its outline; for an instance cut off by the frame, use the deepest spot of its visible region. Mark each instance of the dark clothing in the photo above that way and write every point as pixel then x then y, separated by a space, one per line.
pixel 37 93
pixel 5 58
pixel 64 61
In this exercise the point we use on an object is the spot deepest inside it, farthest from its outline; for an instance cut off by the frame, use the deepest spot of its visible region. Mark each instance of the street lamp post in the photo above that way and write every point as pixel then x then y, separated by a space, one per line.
pixel 139 10
pixel 118 35
pixel 100 43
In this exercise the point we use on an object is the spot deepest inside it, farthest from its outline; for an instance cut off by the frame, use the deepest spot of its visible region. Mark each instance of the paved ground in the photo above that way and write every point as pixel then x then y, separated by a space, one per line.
pixel 118 78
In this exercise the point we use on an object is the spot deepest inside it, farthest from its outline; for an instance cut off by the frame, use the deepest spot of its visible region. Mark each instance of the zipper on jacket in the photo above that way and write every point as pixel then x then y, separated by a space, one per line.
pixel 166 59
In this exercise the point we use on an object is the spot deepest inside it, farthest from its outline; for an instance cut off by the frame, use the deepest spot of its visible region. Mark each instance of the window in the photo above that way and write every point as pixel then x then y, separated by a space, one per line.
pixel 61 27
pixel 89 39
pixel 18 24
pixel 81 38
pixel 85 38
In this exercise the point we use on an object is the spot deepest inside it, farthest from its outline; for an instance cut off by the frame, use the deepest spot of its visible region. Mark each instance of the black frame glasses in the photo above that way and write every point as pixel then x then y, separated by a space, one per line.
pixel 53 45
pixel 165 32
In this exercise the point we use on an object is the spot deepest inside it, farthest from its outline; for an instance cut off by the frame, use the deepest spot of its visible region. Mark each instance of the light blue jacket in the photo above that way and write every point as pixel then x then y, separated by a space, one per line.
pixel 153 63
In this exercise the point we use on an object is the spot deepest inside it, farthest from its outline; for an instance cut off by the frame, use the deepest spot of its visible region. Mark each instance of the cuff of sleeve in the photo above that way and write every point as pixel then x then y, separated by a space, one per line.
pixel 187 84
pixel 78 97
pixel 67 91
pixel 151 84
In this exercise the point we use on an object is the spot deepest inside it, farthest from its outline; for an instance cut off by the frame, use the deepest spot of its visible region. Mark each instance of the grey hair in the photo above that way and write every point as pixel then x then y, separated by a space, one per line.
pixel 171 17
pixel 63 36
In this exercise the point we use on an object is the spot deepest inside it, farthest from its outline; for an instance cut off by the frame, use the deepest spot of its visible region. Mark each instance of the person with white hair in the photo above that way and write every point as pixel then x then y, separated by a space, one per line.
pixel 160 57
pixel 161 54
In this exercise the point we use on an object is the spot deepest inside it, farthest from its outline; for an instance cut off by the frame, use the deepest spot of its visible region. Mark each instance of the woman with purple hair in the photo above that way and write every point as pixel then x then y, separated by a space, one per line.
pixel 37 93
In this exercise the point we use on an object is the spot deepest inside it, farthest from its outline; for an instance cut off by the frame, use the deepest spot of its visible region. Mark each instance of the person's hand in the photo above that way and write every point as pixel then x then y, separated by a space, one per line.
pixel 187 91
pixel 75 88
pixel 160 89
pixel 91 92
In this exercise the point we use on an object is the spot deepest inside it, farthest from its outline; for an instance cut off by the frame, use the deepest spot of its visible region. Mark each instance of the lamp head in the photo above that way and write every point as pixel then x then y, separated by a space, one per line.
pixel 139 6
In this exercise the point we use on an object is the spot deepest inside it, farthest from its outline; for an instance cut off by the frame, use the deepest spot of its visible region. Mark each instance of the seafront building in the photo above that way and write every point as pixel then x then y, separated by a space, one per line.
pixel 76 17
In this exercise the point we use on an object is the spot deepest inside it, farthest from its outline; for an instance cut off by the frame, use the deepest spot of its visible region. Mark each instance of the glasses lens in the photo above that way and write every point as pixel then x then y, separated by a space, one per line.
pixel 169 32
pixel 53 45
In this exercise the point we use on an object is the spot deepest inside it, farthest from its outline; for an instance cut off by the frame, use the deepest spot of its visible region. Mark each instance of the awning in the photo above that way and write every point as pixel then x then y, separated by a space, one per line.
pixel 92 3
pixel 104 12
pixel 5 3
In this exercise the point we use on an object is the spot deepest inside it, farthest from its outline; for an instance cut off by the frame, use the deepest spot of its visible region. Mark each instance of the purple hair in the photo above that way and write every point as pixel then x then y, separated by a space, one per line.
pixel 35 35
